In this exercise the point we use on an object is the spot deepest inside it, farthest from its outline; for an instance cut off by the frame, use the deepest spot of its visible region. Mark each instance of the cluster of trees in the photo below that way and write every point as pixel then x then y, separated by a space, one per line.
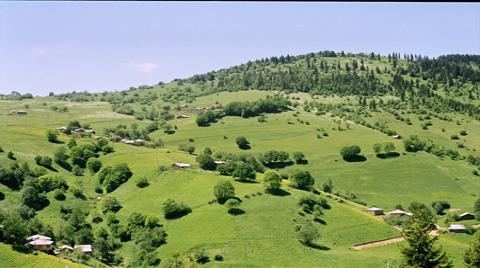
pixel 414 144
pixel 275 104
pixel 386 149
pixel 76 157
pixel 112 177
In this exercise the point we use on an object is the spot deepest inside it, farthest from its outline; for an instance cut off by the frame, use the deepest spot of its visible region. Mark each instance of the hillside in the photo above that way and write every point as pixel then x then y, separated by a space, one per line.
pixel 297 113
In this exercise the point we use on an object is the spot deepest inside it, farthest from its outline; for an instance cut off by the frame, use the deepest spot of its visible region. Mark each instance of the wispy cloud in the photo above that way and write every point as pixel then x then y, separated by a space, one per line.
pixel 143 67
pixel 38 51
pixel 57 49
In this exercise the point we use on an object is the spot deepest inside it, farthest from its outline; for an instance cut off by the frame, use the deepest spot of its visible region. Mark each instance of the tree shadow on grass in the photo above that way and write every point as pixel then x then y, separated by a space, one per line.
pixel 302 162
pixel 236 211
pixel 278 192
pixel 22 249
pixel 355 158
pixel 389 155
pixel 320 221
pixel 315 246
pixel 247 181
pixel 278 164
pixel 58 142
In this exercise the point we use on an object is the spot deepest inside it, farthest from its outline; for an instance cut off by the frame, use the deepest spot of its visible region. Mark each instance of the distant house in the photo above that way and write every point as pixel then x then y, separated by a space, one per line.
pixel 375 211
pixel 466 216
pixel 79 129
pixel 90 131
pixel 18 112
pixel 457 228
pixel 180 165
pixel 181 116
pixel 399 213
pixel 63 248
pixel 219 162
pixel 397 137
pixel 126 141
pixel 40 242
pixel 62 129
pixel 198 110
pixel 84 248
pixel 37 236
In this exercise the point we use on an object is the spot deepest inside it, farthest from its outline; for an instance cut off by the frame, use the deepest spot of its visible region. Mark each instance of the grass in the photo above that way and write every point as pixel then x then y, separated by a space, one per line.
pixel 12 258
pixel 264 235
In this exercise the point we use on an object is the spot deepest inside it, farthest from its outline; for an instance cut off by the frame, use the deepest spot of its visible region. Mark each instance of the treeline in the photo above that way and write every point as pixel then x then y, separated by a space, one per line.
pixel 275 104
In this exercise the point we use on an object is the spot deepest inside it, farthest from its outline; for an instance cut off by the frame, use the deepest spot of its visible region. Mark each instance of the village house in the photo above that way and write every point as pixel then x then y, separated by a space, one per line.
pixel 457 228
pixel 466 216
pixel 84 248
pixel 399 213
pixel 63 248
pixel 198 110
pixel 40 242
pixel 180 165
pixel 375 211
pixel 18 112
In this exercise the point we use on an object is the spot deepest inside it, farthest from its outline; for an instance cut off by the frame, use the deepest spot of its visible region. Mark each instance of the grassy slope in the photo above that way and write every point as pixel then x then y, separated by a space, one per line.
pixel 264 235
pixel 10 258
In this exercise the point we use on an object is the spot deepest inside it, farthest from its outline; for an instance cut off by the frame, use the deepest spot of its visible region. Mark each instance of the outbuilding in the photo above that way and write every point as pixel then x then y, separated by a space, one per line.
pixel 375 211
pixel 18 112
pixel 457 228
pixel 399 213
pixel 466 216
pixel 84 248
pixel 180 165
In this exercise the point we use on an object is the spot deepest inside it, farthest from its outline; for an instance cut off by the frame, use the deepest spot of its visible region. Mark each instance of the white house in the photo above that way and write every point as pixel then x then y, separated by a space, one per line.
pixel 375 211
pixel 399 213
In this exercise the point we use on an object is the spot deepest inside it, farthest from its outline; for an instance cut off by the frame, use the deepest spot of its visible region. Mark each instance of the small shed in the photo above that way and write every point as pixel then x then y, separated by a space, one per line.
pixel 63 248
pixel 397 137
pixel 180 165
pixel 84 248
pixel 38 236
pixel 466 216
pixel 375 211
pixel 399 213
pixel 182 116
pixel 219 162
pixel 18 112
pixel 457 228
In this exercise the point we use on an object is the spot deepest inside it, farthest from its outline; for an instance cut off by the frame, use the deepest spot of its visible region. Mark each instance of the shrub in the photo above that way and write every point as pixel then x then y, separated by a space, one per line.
pixel 299 158
pixel 242 143
pixel 301 179
pixel 244 172
pixel 272 181
pixel 142 182
pixel 413 144
pixel 223 190
pixel 308 233
pixel 43 161
pixel 173 210
pixel 59 195
pixel 350 152
pixel 52 136
pixel 463 132
pixel 11 155
pixel 454 137
pixel 218 257
pixel 205 161
pixel 52 182
pixel 440 206
pixel 94 165
pixel 110 204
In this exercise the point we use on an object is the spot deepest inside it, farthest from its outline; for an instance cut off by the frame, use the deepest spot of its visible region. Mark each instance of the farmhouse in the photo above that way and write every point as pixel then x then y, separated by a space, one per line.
pixel 63 248
pixel 180 165
pixel 197 110
pixel 39 242
pixel 399 213
pixel 375 211
pixel 466 216
pixel 126 141
pixel 84 248
pixel 18 112
pixel 457 228
pixel 181 116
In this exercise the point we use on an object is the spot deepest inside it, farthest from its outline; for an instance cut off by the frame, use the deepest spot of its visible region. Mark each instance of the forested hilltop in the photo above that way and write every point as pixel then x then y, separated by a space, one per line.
pixel 343 160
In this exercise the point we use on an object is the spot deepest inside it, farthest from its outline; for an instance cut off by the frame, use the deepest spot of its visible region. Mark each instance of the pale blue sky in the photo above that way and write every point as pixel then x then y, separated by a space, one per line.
pixel 97 46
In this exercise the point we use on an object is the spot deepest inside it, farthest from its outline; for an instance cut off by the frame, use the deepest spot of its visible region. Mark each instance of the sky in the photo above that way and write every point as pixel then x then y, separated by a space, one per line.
pixel 104 46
